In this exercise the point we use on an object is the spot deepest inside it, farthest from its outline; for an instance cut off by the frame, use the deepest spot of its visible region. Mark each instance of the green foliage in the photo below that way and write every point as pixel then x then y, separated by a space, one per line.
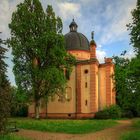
pixel 127 72
pixel 134 28
pixel 18 102
pixel 127 80
pixel 4 91
pixel 112 112
pixel 38 48
pixel 65 126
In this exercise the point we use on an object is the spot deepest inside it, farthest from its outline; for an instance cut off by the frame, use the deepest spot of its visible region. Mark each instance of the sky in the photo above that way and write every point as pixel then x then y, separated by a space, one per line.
pixel 107 18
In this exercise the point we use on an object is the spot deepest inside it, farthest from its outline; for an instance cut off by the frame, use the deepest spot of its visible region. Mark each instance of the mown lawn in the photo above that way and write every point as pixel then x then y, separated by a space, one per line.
pixel 133 135
pixel 64 126
pixel 11 137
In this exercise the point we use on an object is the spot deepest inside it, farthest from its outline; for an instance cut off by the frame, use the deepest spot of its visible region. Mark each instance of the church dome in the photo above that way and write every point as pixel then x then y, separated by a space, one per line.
pixel 75 40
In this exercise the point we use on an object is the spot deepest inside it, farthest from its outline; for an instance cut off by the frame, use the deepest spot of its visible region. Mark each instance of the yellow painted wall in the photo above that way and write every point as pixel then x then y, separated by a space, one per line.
pixel 66 106
pixel 85 91
pixel 42 108
pixel 97 87
pixel 102 87
pixel 80 55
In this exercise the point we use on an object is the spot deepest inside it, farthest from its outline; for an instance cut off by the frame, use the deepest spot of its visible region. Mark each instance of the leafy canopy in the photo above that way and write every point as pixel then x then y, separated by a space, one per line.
pixel 134 28
pixel 38 49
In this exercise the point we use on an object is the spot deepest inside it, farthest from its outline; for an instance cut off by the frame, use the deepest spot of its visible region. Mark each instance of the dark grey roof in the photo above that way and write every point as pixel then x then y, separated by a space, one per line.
pixel 73 23
pixel 76 41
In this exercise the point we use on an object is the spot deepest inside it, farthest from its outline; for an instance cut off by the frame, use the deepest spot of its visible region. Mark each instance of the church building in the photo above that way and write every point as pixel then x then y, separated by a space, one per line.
pixel 90 86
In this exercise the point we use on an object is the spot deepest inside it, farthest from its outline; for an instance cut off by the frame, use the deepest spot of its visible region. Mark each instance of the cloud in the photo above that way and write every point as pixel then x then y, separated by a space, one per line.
pixel 6 9
pixel 107 18
pixel 117 16
pixel 69 10
pixel 4 17
pixel 101 55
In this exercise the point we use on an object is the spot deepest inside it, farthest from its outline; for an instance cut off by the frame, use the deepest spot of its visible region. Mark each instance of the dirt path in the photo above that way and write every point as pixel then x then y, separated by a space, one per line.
pixel 106 134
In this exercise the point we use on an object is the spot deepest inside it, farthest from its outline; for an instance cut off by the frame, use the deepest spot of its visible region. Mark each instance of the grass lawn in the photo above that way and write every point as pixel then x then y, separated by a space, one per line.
pixel 64 126
pixel 133 135
pixel 11 137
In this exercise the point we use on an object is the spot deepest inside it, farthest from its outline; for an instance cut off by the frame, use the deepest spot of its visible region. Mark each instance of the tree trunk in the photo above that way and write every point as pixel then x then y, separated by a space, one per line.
pixel 37 104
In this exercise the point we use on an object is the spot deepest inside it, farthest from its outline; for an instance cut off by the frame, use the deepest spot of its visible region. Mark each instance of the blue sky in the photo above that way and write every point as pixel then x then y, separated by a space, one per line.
pixel 107 18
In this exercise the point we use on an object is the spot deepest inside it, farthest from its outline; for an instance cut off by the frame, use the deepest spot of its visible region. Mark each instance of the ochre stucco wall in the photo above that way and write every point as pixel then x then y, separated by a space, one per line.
pixel 66 106
pixel 102 87
pixel 85 89
pixel 80 55
pixel 97 86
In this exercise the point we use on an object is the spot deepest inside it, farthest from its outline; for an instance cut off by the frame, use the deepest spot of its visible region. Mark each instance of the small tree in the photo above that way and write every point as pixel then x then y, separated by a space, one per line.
pixel 4 91
pixel 38 49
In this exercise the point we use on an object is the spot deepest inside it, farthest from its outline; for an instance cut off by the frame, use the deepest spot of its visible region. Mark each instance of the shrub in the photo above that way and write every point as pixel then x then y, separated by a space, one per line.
pixel 111 112
pixel 127 114
pixel 19 111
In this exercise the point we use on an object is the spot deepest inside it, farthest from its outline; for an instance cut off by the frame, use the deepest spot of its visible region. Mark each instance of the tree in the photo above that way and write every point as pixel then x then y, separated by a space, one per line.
pixel 123 93
pixel 38 49
pixel 127 85
pixel 127 72
pixel 4 91
pixel 134 28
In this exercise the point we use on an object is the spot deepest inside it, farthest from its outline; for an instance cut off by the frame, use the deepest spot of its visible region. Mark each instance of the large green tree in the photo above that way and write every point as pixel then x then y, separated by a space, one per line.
pixel 4 90
pixel 124 86
pixel 38 49
pixel 127 72
pixel 134 28
pixel 127 85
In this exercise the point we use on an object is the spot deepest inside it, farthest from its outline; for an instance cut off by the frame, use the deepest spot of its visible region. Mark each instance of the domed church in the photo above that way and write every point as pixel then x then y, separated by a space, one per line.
pixel 90 86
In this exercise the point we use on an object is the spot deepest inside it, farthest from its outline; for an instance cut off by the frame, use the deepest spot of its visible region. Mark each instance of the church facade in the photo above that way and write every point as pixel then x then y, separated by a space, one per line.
pixel 90 86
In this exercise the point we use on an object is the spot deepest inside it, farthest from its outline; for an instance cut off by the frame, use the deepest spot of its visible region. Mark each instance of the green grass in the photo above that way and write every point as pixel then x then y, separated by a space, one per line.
pixel 11 137
pixel 64 126
pixel 136 123
pixel 133 135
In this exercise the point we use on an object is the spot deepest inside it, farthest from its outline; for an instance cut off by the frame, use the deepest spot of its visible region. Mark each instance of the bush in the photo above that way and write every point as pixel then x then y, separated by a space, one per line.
pixel 127 114
pixel 19 111
pixel 111 112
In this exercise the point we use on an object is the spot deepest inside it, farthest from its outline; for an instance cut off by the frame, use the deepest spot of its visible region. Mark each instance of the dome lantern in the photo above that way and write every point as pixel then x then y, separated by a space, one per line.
pixel 73 26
